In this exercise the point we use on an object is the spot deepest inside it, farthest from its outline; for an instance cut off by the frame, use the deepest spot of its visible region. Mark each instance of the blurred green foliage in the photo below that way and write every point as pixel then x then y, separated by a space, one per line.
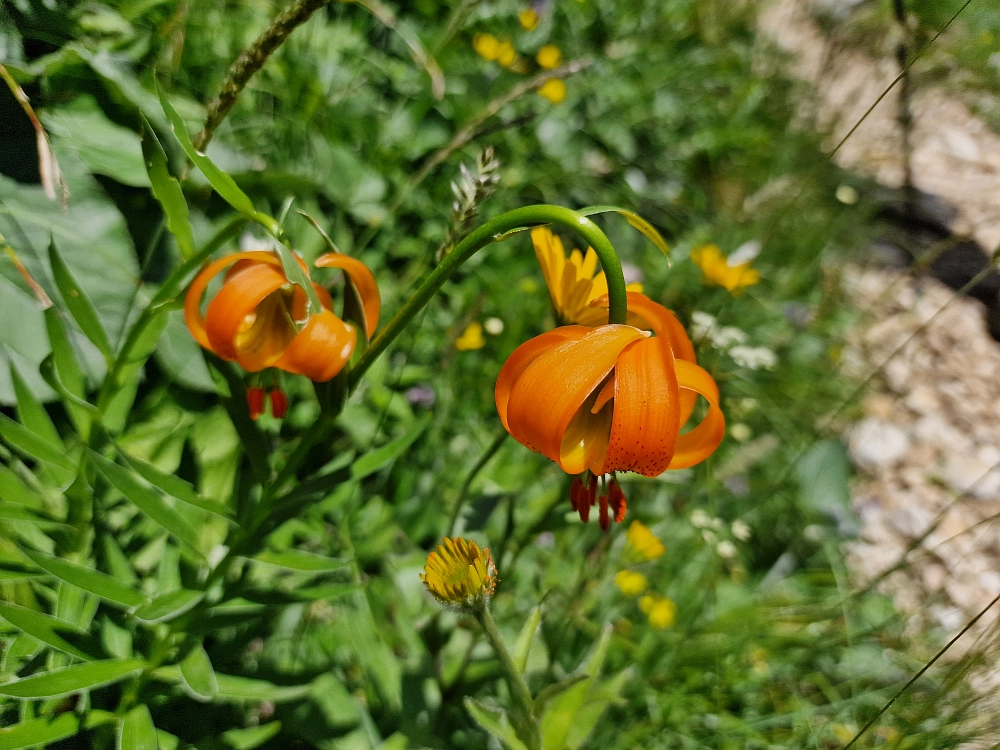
pixel 319 634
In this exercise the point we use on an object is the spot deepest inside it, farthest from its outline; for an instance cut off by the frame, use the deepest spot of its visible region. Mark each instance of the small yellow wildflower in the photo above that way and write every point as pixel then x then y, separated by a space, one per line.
pixel 471 338
pixel 486 46
pixel 553 89
pixel 631 583
pixel 549 56
pixel 506 54
pixel 644 543
pixel 528 18
pixel 459 571
pixel 712 263
pixel 662 612
pixel 571 281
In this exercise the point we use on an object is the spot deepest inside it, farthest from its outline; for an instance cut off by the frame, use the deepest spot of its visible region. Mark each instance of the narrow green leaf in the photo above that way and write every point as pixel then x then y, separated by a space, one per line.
pixel 31 412
pixel 169 606
pixel 39 732
pixel 51 630
pixel 495 721
pixel 88 579
pixel 297 275
pixel 174 486
pixel 33 446
pixel 79 304
pixel 13 490
pixel 71 679
pixel 224 185
pixel 248 739
pixel 167 190
pixel 635 220
pixel 299 560
pixel 137 731
pixel 11 512
pixel 244 688
pixel 198 674
pixel 551 691
pixel 371 462
pixel 524 639
pixel 597 700
pixel 67 367
pixel 50 375
pixel 146 499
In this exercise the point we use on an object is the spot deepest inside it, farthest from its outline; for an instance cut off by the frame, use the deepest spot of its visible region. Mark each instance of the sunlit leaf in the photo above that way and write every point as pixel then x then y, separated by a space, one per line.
pixel 79 304
pixel 137 731
pixel 167 190
pixel 168 606
pixel 88 579
pixel 377 459
pixel 495 721
pixel 33 446
pixel 71 679
pixel 39 732
pixel 198 674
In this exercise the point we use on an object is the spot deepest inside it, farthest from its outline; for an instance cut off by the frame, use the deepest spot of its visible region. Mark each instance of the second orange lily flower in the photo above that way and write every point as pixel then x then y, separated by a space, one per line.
pixel 259 319
pixel 598 399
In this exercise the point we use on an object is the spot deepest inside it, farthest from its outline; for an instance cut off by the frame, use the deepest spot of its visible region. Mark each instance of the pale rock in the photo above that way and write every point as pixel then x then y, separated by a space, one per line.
pixel 934 576
pixel 877 444
pixel 922 400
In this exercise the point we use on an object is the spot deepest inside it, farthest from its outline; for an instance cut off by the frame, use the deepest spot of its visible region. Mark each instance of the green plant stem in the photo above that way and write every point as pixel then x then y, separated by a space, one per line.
pixel 496 230
pixel 491 450
pixel 250 61
pixel 525 720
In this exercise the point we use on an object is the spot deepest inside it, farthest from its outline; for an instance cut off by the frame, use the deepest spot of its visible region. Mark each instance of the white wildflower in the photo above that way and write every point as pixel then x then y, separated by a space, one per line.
pixel 741 530
pixel 754 357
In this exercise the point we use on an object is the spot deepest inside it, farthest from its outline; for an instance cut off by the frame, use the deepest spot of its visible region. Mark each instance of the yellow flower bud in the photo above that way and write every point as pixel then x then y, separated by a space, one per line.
pixel 459 572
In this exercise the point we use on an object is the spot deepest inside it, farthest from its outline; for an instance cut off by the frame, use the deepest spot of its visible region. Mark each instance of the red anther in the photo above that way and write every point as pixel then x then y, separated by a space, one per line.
pixel 576 493
pixel 255 401
pixel 605 520
pixel 279 403
pixel 616 499
pixel 592 489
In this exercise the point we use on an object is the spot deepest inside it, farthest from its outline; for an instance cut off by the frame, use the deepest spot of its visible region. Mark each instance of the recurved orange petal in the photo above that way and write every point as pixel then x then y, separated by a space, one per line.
pixel 321 348
pixel 646 408
pixel 695 446
pixel 227 314
pixel 554 387
pixel 364 282
pixel 523 356
pixel 192 304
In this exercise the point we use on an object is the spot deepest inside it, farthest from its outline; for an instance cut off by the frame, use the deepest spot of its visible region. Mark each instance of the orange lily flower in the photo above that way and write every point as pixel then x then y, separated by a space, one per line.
pixel 259 318
pixel 610 398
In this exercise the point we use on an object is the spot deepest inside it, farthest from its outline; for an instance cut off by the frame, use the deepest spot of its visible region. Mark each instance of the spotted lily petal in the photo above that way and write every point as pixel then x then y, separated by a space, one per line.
pixel 363 280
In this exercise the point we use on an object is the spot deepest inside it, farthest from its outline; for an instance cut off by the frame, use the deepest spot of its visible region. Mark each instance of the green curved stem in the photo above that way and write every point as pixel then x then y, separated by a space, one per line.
pixel 496 230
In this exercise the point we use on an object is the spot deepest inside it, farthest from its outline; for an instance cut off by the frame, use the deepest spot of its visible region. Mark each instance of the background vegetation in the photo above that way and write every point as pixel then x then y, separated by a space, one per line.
pixel 323 636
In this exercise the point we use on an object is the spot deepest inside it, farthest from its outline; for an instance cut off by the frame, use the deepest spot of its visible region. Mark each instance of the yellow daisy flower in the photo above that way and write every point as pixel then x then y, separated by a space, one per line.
pixel 460 572
pixel 662 612
pixel 643 543
pixel 506 54
pixel 486 46
pixel 553 89
pixel 471 338
pixel 714 266
pixel 549 56
pixel 528 19
pixel 571 281
pixel 631 583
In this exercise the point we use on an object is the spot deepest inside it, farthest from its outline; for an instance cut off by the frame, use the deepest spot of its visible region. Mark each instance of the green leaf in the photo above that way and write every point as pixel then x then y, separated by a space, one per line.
pixel 33 446
pixel 297 275
pixel 823 475
pixel 167 190
pixel 13 490
pixel 79 304
pixel 198 674
pixel 137 731
pixel 248 739
pixel 224 185
pixel 31 412
pixel 175 486
pixel 72 679
pixel 300 560
pixel 10 512
pixel 551 691
pixel 563 709
pixel 635 220
pixel 39 732
pixel 50 630
pixel 147 500
pixel 169 606
pixel 75 404
pixel 371 462
pixel 495 721
pixel 524 639
pixel 232 688
pixel 597 700
pixel 88 579
pixel 68 368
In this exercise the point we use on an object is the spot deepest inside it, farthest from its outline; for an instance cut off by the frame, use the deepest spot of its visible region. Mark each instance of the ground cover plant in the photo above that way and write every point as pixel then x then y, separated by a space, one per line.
pixel 222 523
